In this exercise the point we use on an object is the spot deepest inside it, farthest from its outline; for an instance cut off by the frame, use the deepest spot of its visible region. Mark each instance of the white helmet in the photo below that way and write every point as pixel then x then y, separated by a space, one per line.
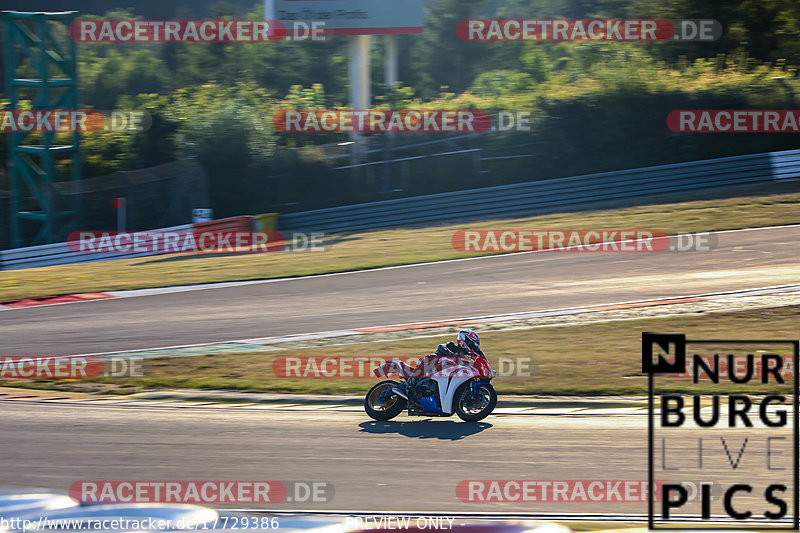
pixel 470 341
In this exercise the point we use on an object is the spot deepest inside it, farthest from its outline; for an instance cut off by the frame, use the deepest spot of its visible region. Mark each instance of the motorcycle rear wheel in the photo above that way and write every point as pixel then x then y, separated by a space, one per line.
pixel 381 404
pixel 470 408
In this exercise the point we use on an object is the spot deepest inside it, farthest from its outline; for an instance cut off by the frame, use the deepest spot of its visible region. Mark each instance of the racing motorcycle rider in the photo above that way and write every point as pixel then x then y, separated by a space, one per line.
pixel 467 345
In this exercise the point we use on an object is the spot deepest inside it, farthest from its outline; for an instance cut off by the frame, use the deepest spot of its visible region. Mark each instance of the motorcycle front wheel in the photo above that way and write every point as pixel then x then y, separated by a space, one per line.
pixel 473 407
pixel 381 403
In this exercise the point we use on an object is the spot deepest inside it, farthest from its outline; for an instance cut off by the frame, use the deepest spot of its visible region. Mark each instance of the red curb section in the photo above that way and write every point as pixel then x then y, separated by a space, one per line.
pixel 49 300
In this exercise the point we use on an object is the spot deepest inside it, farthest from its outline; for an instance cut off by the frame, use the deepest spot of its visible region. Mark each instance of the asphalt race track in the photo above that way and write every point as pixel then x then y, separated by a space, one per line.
pixel 408 465
pixel 412 465
pixel 419 293
pixel 404 465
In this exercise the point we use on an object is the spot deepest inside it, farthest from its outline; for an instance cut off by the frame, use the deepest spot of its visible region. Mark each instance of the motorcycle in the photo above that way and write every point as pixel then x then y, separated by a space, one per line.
pixel 437 387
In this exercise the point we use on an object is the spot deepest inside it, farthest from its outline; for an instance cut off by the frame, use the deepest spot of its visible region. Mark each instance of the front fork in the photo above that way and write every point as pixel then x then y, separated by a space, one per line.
pixel 474 390
pixel 475 387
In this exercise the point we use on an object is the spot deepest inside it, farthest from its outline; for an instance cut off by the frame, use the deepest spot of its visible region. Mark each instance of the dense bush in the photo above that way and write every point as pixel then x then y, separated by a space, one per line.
pixel 597 106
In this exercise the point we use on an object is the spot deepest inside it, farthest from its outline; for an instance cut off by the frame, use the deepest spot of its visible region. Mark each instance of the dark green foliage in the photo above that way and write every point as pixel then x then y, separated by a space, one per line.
pixel 597 106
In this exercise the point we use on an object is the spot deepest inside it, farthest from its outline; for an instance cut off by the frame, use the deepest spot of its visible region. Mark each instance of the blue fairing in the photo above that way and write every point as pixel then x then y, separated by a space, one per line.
pixel 431 404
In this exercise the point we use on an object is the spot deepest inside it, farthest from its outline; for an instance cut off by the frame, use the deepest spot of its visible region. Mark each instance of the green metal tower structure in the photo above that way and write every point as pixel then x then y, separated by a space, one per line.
pixel 40 66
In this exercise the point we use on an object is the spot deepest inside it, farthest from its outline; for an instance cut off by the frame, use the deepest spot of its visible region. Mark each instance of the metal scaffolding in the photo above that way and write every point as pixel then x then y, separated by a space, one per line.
pixel 40 67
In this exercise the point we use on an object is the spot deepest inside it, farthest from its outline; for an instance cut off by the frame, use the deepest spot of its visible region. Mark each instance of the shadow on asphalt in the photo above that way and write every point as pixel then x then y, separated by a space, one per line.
pixel 426 429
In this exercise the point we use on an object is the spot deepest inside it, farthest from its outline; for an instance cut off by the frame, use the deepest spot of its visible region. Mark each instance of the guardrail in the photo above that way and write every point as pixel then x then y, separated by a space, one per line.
pixel 553 194
pixel 507 200
pixel 60 254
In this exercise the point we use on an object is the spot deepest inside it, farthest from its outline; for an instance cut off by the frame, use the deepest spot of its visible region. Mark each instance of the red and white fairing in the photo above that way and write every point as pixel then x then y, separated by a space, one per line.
pixel 449 372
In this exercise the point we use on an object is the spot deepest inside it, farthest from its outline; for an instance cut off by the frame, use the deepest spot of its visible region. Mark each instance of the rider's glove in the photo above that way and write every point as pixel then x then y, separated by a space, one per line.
pixel 450 349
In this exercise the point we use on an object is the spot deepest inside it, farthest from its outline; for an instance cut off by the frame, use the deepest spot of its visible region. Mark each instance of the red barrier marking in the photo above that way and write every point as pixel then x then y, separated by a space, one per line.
pixel 49 300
